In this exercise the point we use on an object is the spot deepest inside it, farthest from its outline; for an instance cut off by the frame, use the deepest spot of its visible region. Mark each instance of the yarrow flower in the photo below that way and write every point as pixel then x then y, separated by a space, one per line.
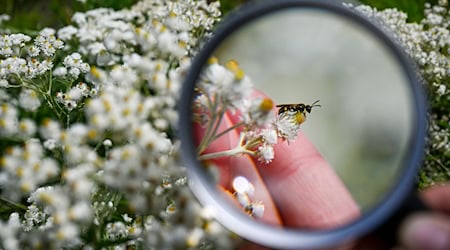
pixel 226 90
pixel 243 193
pixel 87 116
pixel 88 152
pixel 426 42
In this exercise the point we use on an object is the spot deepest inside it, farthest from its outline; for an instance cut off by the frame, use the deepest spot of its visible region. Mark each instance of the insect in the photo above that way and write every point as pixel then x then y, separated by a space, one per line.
pixel 296 113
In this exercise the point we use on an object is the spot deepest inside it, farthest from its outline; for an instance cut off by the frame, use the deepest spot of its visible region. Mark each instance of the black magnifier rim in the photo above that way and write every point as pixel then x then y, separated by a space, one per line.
pixel 288 238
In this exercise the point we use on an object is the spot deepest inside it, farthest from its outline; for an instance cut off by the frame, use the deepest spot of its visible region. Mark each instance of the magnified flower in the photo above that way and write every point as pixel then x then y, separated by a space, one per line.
pixel 243 193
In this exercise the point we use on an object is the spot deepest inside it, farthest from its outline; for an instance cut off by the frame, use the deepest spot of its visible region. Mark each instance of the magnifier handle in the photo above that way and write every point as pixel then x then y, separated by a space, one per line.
pixel 388 231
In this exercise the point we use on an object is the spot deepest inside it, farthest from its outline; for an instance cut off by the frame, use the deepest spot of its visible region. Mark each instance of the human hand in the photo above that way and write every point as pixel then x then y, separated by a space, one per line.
pixel 298 188
pixel 429 230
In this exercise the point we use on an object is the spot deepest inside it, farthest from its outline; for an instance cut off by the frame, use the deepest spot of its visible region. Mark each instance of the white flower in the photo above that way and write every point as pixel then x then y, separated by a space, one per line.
pixel 4 17
pixel 68 232
pixel 50 144
pixel 29 100
pixel 50 129
pixel 66 33
pixel 116 230
pixel 8 232
pixel 168 42
pixel 442 89
pixel 33 51
pixel 257 209
pixel 74 72
pixel 266 153
pixel 75 65
pixel 218 76
pixel 124 76
pixel 81 211
pixel 107 143
pixel 175 22
pixel 47 42
pixel 27 168
pixel 242 185
pixel 60 71
pixel 3 83
pixel 258 111
pixel 194 237
pixel 270 135
pixel 27 127
pixel 8 120
pixel 243 199
pixel 129 97
pixel 79 179
pixel 287 127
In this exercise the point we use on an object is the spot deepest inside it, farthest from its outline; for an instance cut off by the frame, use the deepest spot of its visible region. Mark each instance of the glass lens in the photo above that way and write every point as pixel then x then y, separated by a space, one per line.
pixel 303 119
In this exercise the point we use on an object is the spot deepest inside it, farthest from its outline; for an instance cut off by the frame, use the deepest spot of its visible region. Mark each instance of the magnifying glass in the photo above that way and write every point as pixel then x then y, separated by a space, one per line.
pixel 302 124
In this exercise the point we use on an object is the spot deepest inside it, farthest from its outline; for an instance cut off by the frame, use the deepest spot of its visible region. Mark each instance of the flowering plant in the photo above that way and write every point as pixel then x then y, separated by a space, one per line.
pixel 88 153
pixel 428 43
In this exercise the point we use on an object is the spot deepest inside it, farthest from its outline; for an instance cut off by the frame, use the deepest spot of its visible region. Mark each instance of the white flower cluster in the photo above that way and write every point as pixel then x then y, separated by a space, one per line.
pixel 226 90
pixel 9 231
pixel 428 43
pixel 243 192
pixel 22 58
pixel 87 115
pixel 24 169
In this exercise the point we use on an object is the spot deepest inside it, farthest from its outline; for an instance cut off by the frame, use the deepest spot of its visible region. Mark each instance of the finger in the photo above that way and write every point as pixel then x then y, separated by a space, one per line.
pixel 437 197
pixel 230 167
pixel 307 191
pixel 426 231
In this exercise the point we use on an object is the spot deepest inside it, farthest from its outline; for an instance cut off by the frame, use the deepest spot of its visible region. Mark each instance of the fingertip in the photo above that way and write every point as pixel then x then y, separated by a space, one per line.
pixel 437 197
pixel 426 231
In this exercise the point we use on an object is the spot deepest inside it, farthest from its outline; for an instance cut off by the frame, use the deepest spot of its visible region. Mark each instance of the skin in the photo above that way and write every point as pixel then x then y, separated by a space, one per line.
pixel 298 188
pixel 429 230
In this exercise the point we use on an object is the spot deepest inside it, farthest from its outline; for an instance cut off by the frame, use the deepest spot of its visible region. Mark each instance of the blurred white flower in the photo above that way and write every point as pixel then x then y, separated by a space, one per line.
pixel 29 100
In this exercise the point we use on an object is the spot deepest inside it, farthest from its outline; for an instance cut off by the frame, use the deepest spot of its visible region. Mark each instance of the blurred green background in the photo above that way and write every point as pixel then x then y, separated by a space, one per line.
pixel 29 15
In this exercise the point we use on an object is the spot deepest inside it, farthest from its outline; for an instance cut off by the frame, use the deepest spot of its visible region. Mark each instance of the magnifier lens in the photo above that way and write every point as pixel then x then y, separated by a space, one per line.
pixel 303 118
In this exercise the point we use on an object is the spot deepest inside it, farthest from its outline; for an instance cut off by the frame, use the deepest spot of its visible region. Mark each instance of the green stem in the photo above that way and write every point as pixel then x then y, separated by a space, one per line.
pixel 212 106
pixel 210 131
pixel 49 91
pixel 240 149
pixel 231 152
pixel 14 204
pixel 235 126
pixel 438 162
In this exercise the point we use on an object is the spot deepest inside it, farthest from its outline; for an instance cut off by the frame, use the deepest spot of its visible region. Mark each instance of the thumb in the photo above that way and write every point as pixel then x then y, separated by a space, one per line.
pixel 426 231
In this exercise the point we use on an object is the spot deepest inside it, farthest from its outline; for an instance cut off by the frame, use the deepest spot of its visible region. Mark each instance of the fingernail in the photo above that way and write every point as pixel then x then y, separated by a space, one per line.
pixel 429 236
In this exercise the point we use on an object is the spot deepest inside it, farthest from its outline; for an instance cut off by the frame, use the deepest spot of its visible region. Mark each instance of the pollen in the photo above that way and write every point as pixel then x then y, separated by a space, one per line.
pixel 182 44
pixel 25 187
pixel 19 172
pixel 92 134
pixel 239 74
pixel 63 136
pixel 46 122
pixel 266 105
pixel 299 118
pixel 172 14
pixel 107 105
pixel 5 107
pixel 233 65
pixel 23 126
pixel 213 60
pixel 95 72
